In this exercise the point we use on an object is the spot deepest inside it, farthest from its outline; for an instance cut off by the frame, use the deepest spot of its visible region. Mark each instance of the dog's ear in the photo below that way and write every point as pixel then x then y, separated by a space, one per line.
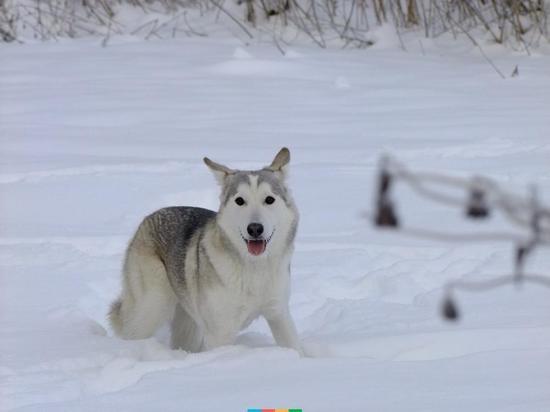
pixel 280 162
pixel 220 171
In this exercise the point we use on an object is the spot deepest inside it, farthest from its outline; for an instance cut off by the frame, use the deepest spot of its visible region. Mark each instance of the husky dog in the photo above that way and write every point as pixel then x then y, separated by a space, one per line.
pixel 213 273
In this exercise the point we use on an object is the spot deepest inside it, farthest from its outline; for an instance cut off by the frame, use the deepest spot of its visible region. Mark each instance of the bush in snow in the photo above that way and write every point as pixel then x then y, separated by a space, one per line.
pixel 350 22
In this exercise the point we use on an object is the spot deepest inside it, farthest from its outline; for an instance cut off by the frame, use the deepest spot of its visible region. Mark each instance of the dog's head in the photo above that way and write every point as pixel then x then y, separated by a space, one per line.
pixel 257 212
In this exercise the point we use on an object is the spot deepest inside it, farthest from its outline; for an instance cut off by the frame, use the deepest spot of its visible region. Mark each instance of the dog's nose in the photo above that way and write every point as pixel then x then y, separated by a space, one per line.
pixel 255 229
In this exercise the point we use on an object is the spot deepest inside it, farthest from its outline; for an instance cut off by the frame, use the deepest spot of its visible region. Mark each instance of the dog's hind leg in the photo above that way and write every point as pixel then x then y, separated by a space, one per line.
pixel 186 334
pixel 147 299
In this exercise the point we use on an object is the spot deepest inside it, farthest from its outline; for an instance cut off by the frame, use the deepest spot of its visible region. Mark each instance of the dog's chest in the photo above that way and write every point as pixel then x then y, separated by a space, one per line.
pixel 252 289
pixel 243 296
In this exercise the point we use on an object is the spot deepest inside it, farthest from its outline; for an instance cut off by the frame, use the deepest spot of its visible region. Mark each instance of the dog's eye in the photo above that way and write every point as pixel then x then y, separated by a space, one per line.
pixel 269 200
pixel 239 201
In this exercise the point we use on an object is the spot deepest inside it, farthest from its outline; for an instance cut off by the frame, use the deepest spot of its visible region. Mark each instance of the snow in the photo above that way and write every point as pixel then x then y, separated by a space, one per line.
pixel 94 138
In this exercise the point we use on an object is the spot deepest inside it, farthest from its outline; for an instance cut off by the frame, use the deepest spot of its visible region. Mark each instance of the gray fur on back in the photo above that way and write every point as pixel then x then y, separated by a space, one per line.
pixel 172 229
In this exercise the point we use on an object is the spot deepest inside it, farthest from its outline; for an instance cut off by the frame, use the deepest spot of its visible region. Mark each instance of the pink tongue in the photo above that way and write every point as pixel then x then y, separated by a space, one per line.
pixel 256 247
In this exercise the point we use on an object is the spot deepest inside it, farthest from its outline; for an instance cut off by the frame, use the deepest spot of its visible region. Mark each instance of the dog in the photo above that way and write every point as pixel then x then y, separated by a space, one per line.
pixel 213 273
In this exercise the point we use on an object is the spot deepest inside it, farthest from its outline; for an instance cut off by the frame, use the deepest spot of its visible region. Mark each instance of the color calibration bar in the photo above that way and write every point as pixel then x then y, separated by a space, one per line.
pixel 274 410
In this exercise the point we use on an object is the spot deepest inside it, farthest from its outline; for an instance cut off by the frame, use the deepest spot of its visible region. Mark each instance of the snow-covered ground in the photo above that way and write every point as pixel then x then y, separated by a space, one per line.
pixel 93 139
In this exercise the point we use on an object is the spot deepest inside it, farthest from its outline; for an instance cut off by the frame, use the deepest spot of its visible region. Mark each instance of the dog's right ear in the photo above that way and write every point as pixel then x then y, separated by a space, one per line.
pixel 220 171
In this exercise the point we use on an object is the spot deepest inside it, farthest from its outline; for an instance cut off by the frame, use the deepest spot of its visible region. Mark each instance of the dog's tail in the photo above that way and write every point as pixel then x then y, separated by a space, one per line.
pixel 115 317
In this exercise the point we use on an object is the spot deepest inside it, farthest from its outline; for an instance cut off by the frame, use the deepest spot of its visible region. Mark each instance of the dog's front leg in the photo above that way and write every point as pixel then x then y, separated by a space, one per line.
pixel 215 339
pixel 283 330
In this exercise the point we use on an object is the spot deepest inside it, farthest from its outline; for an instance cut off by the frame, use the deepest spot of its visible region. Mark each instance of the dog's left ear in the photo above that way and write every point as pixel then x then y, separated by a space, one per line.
pixel 220 171
pixel 280 162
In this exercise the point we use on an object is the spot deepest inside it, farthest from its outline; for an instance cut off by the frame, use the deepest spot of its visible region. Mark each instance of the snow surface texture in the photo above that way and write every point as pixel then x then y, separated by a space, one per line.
pixel 95 138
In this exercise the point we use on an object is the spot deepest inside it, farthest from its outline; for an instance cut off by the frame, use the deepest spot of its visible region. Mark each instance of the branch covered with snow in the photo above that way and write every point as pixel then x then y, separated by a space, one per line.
pixel 478 198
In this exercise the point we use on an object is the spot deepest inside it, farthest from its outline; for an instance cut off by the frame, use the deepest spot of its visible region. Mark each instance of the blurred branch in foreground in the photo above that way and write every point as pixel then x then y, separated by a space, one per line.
pixel 479 198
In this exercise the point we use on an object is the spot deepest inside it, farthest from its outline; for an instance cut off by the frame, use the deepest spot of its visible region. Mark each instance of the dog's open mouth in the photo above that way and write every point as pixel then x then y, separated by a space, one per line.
pixel 257 246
